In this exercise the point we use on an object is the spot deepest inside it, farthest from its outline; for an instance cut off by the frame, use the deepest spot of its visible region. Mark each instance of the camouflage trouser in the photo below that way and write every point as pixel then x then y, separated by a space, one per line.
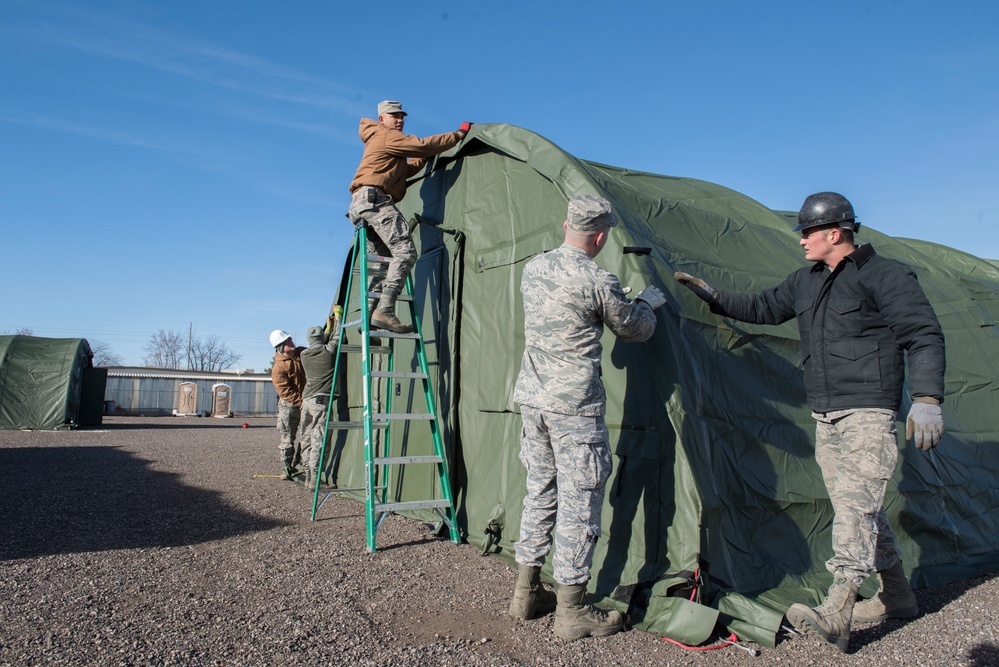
pixel 388 235
pixel 313 425
pixel 568 462
pixel 287 425
pixel 857 451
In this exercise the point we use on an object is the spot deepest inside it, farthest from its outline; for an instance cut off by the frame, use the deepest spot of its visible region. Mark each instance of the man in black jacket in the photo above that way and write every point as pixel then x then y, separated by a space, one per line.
pixel 859 316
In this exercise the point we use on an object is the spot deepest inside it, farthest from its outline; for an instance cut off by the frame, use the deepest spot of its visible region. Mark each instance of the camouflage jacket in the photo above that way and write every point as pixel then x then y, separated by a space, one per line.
pixel 567 300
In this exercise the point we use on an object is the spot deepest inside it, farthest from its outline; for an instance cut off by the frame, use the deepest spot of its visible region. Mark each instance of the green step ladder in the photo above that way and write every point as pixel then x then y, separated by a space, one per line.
pixel 379 464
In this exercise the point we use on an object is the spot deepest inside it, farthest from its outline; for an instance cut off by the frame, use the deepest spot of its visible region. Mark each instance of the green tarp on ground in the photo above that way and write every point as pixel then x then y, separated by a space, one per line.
pixel 714 468
pixel 41 381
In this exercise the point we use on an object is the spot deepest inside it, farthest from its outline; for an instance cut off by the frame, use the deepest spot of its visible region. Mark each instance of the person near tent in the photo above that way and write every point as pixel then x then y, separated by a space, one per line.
pixel 857 313
pixel 564 445
pixel 288 377
pixel 319 363
pixel 389 158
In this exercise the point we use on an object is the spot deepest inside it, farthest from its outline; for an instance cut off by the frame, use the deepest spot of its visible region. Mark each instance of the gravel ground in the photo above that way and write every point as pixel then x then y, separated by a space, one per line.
pixel 150 542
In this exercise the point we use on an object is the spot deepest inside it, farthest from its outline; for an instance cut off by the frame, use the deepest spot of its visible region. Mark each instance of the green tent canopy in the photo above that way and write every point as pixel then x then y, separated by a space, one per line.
pixel 42 382
pixel 715 491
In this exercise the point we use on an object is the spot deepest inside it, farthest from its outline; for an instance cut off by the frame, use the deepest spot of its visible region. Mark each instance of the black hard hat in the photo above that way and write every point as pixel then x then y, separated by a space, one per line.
pixel 827 208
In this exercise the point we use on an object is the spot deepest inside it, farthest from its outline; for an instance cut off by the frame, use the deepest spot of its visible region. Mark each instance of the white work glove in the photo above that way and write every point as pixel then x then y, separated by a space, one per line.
pixel 924 425
pixel 652 295
pixel 704 291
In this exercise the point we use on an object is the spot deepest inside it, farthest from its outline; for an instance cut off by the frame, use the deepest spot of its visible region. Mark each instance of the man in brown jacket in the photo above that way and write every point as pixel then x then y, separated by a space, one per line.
pixel 288 376
pixel 390 157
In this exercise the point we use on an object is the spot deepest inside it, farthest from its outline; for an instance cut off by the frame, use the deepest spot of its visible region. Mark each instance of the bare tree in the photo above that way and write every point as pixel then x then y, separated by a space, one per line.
pixel 103 356
pixel 211 354
pixel 165 349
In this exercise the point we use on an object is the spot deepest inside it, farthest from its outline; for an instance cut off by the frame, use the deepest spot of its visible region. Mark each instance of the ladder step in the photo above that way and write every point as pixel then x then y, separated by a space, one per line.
pixel 342 489
pixel 376 295
pixel 401 297
pixel 356 349
pixel 373 272
pixel 405 416
pixel 380 333
pixel 397 460
pixel 411 505
pixel 342 426
pixel 398 374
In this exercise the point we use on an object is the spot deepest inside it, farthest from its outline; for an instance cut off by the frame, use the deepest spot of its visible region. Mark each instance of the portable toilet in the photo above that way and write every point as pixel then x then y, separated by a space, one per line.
pixel 187 400
pixel 221 397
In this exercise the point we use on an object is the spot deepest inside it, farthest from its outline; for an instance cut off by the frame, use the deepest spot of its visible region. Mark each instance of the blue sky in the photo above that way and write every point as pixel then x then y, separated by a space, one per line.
pixel 185 163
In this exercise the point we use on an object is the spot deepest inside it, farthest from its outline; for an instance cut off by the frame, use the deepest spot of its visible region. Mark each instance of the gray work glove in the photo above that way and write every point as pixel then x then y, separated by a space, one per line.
pixel 652 295
pixel 704 291
pixel 924 425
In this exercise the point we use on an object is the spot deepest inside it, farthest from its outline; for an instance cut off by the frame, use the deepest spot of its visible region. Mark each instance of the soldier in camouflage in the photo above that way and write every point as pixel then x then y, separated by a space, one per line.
pixel 857 313
pixel 564 444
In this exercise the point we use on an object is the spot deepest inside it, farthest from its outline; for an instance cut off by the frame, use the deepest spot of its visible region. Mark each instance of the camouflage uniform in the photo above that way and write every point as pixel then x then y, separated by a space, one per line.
pixel 564 442
pixel 289 417
pixel 388 235
pixel 857 451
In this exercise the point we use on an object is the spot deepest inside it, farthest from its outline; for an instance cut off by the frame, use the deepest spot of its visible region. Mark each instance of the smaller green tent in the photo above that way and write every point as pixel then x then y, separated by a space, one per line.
pixel 42 382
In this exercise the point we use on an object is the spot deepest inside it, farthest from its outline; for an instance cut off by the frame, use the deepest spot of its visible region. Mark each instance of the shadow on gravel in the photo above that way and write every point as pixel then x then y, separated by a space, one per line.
pixel 411 543
pixel 59 500
pixel 984 655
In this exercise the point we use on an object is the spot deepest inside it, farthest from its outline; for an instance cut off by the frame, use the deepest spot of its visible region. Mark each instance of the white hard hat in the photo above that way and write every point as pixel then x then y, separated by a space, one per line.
pixel 278 337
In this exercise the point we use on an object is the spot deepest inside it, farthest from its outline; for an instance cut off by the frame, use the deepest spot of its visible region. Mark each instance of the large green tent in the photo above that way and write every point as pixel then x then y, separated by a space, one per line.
pixel 714 465
pixel 48 383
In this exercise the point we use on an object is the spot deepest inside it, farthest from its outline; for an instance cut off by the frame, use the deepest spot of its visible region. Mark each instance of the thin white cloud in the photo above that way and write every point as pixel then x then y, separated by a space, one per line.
pixel 125 40
pixel 93 132
pixel 198 158
pixel 348 139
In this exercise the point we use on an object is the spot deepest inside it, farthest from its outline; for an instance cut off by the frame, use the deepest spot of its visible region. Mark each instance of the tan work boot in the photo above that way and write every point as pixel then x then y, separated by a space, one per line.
pixel 386 320
pixel 893 600
pixel 384 315
pixel 311 479
pixel 575 618
pixel 530 597
pixel 830 620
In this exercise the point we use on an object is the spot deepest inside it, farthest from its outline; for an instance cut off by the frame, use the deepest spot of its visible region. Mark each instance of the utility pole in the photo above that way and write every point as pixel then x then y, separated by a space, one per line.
pixel 190 335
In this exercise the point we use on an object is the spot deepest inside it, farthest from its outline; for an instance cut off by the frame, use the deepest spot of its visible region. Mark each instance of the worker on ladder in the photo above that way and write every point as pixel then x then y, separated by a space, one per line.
pixel 390 157
pixel 319 363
